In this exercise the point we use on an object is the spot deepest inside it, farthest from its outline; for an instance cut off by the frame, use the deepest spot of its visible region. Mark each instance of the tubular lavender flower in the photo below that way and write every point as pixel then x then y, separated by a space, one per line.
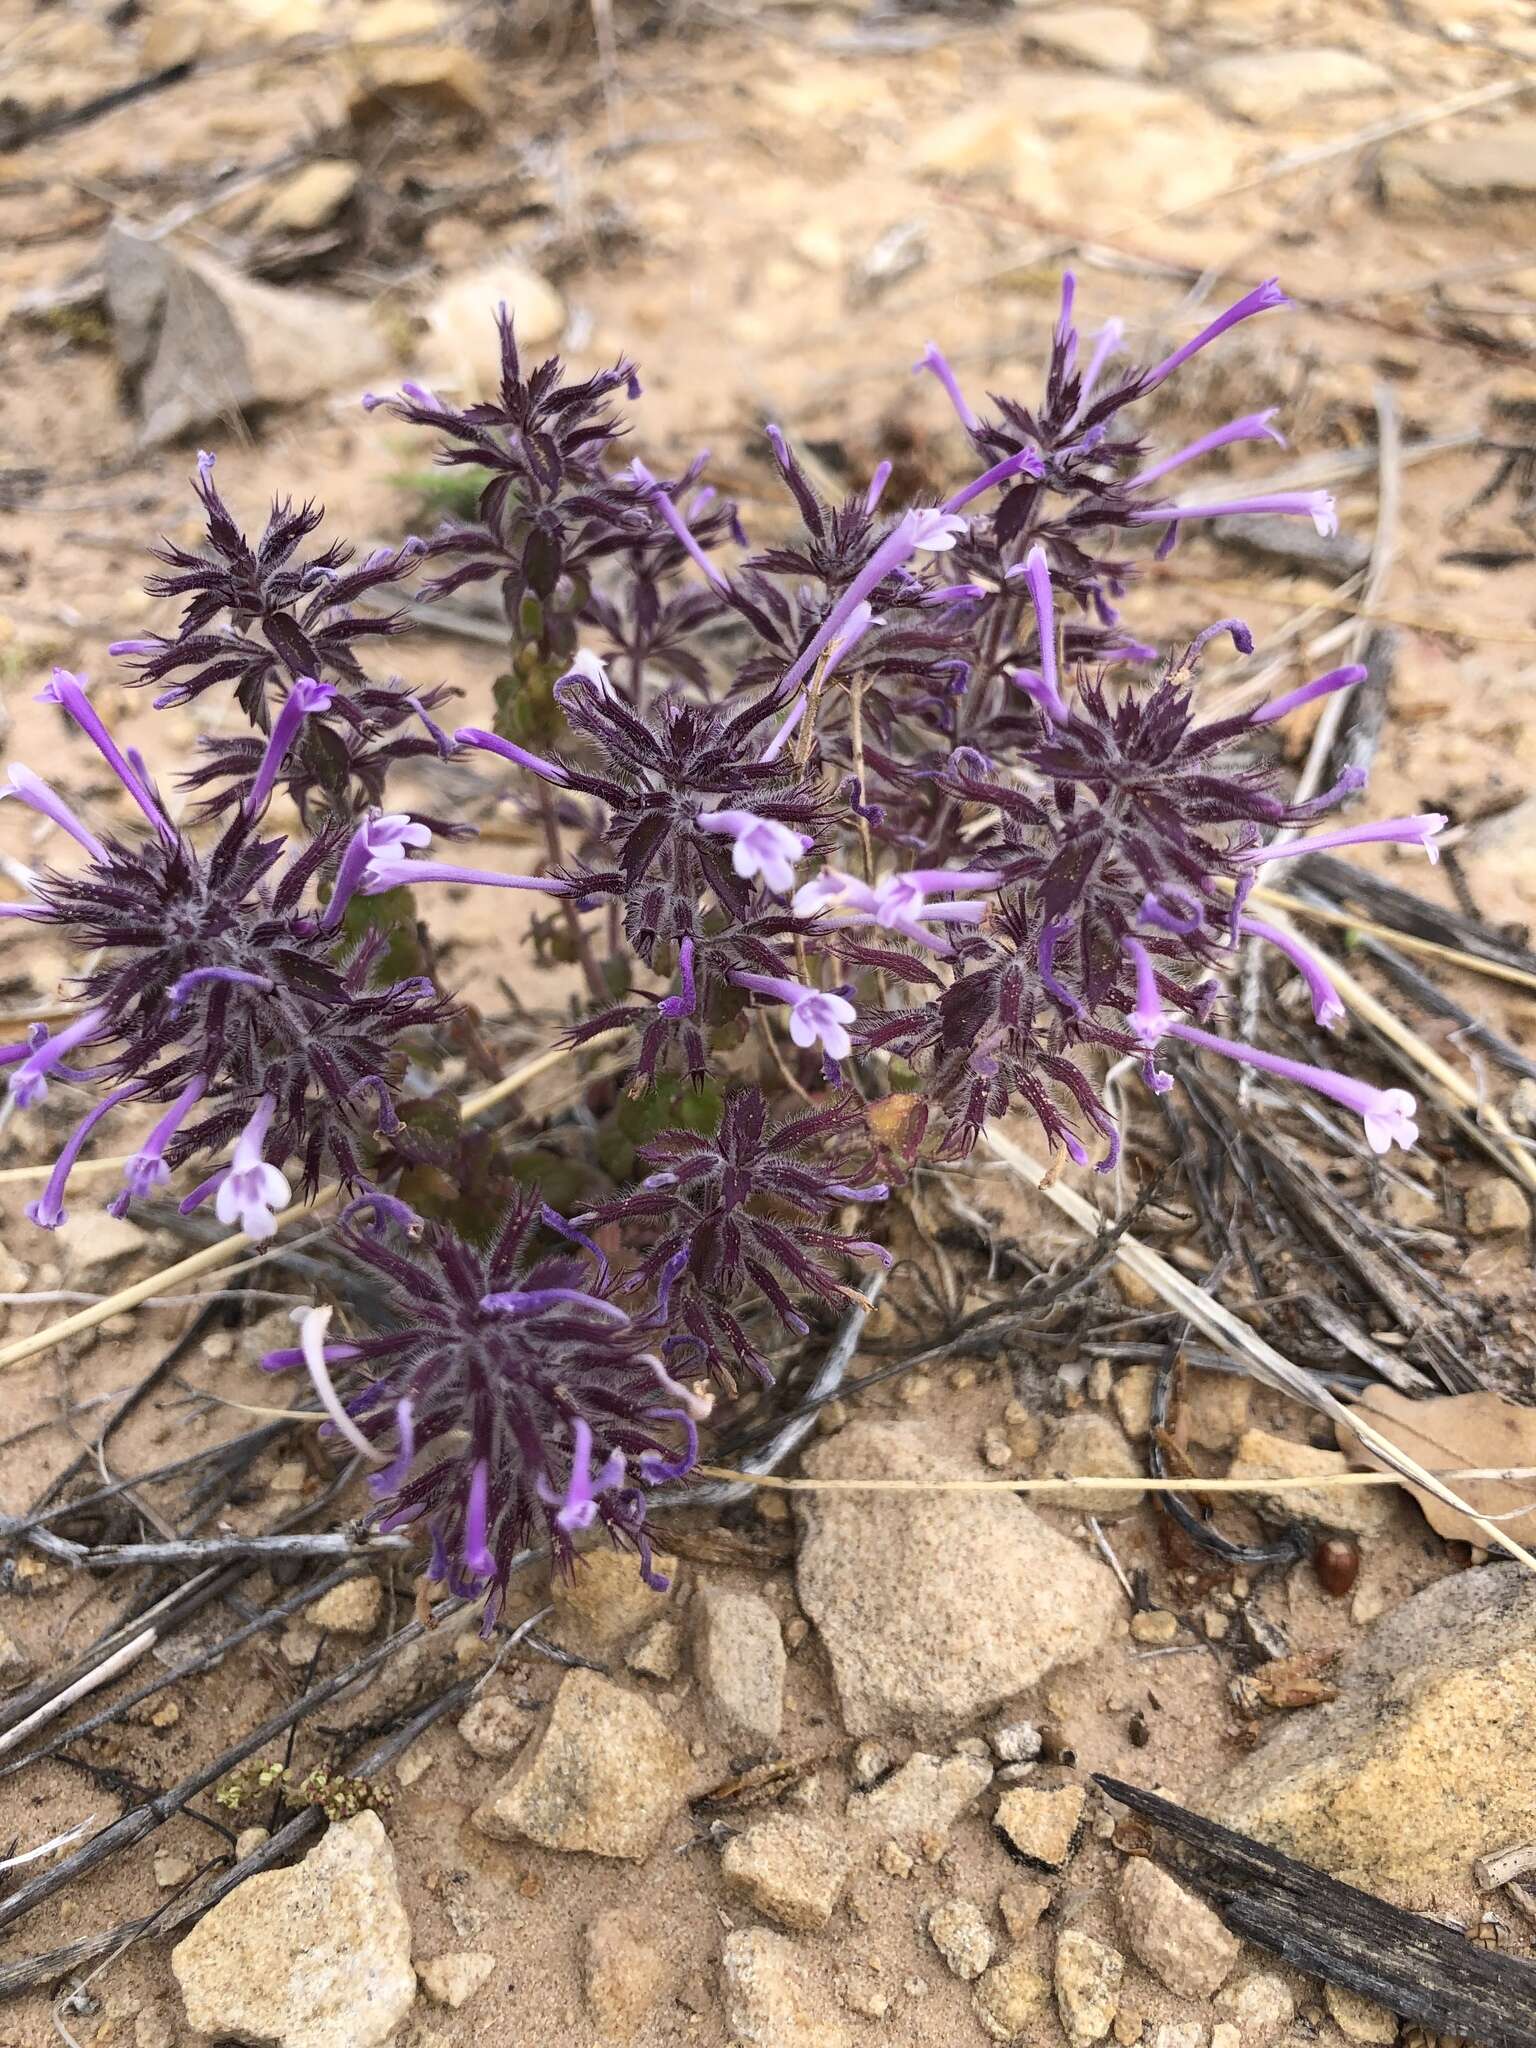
pixel 759 846
pixel 1326 1005
pixel 1317 506
pixel 1320 686
pixel 1045 687
pixel 68 693
pixel 813 1015
pixel 1263 298
pixel 305 698
pixel 1420 831
pixel 29 1082
pixel 38 796
pixel 1388 1113
pixel 1254 426
pixel 932 359
pixel 252 1189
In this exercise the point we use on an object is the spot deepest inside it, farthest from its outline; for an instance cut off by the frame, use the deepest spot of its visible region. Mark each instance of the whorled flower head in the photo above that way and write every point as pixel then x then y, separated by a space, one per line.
pixel 740 1216
pixel 265 621
pixel 214 987
pixel 516 1403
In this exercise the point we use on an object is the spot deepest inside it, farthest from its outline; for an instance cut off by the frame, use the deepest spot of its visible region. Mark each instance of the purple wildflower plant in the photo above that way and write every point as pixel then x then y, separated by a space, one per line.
pixel 891 806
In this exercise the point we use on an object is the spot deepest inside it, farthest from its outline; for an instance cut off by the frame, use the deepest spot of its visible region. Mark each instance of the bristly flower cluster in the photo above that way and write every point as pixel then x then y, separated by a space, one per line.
pixel 261 621
pixel 893 807
pixel 519 1402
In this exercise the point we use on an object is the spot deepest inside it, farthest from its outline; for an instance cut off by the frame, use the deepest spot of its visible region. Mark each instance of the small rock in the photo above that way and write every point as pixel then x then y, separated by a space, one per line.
pixel 1496 1208
pixel 92 1244
pixel 1016 1742
pixel 1177 1936
pixel 936 1608
pixel 350 1609
pixel 1022 1907
pixel 1043 1823
pixel 16 1667
pixel 1272 85
pixel 454 1979
pixel 1432 1721
pixel 1021 1426
pixel 624 1971
pixel 922 1800
pixel 414 1765
pixel 962 1937
pixel 463 350
pixel 493 1727
pixel 317 1956
pixel 659 1652
pixel 154 2028
pixel 791 1869
pixel 872 1761
pixel 739 1660
pixel 172 1869
pixel 248 1841
pixel 298 1645
pixel 1361 1510
pixel 895 1861
pixel 1089 1446
pixel 1088 1974
pixel 604 1773
pixel 311 198
pixel 771 1999
pixel 1361 2019
pixel 1492 166
pixel 196 342
pixel 864 1998
pixel 1105 38
pixel 416 81
pixel 1155 1626
pixel 1261 2006
pixel 1011 1999
pixel 1225 2035
pixel 1129 2026
pixel 1179 2034
pixel 605 1600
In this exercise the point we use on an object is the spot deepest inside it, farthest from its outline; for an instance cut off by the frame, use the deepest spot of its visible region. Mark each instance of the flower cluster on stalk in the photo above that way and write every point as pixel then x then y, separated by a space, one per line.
pixel 892 805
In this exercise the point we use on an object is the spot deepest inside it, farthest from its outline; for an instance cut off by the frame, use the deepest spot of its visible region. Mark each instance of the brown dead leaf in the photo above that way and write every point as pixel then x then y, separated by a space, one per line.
pixel 1448 1432
pixel 1292 1682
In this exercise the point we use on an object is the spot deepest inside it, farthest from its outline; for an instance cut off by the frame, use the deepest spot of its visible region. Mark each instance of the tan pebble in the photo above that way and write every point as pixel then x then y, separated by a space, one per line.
pixel 1215 1624
pixel 1022 1907
pixel 996 1451
pixel 796 1630
pixel 963 1378
pixel 1043 1824
pixel 913 1388
pixel 1155 1626
pixel 895 1861
pixel 165 1716
pixel 1128 2026
pixel 248 1841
